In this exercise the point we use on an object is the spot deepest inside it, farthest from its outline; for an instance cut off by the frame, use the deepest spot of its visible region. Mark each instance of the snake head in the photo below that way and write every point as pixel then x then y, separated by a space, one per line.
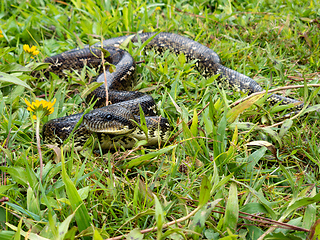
pixel 110 119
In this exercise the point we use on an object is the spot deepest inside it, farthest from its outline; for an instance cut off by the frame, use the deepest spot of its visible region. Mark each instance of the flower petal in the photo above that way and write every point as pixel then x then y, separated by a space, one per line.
pixel 36 52
pixel 26 48
pixel 33 48
pixel 27 102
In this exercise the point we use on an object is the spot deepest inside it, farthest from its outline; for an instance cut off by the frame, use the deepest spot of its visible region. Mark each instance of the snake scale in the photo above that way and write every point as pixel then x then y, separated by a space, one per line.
pixel 115 124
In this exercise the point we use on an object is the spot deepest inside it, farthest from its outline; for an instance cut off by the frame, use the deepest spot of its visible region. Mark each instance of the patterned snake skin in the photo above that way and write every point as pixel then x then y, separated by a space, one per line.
pixel 114 124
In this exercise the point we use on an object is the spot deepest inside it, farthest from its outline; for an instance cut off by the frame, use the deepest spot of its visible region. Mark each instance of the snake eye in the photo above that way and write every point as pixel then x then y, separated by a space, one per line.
pixel 109 117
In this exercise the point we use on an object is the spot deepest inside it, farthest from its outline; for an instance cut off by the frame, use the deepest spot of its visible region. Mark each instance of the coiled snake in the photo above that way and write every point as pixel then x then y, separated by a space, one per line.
pixel 115 124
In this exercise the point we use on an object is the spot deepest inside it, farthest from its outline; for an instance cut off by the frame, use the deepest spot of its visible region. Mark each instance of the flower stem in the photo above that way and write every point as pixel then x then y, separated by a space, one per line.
pixel 38 146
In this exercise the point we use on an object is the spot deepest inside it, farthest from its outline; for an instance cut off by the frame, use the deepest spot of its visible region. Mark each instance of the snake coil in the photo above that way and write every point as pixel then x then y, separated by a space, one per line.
pixel 115 124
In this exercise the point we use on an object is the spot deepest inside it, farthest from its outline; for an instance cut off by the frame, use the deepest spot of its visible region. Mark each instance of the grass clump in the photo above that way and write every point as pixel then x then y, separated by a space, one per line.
pixel 232 171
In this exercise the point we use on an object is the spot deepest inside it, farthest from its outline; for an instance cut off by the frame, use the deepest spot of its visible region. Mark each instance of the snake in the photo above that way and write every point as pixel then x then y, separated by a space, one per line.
pixel 119 124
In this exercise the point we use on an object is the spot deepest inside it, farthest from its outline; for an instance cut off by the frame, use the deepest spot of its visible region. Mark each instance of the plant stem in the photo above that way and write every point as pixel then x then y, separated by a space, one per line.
pixel 38 146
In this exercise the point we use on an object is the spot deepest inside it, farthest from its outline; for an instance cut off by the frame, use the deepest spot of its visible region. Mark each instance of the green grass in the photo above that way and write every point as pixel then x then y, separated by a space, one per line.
pixel 214 171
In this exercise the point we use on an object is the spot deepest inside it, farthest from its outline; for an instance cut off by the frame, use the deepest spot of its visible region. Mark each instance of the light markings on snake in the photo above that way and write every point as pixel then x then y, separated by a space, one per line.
pixel 65 128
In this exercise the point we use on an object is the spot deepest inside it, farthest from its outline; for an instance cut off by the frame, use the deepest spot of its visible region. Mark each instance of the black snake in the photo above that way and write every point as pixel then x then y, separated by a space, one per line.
pixel 115 124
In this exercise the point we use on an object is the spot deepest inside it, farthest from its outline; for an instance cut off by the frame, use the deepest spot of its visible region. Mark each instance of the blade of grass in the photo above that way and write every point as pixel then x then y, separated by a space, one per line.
pixel 81 213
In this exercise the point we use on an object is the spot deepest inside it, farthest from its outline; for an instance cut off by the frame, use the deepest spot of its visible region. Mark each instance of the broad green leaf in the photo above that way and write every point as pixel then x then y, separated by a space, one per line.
pixel 174 234
pixel 294 222
pixel 159 215
pixel 244 126
pixel 205 190
pixel 310 214
pixel 192 144
pixel 315 231
pixel 285 127
pixel 253 158
pixel 13 67
pixel 53 226
pixel 148 156
pixel 198 220
pixel 64 226
pixel 211 234
pixel 18 174
pixel 6 50
pixel 17 235
pixel 218 184
pixel 134 234
pixel 6 235
pixel 36 66
pixel 96 235
pixel 281 108
pixel 273 135
pixel 312 108
pixel 24 211
pixel 266 144
pixel 295 204
pixel 31 236
pixel 6 151
pixel 4 188
pixel 71 233
pixel 4 77
pixel 31 175
pixel 194 125
pixel 234 142
pixel 84 192
pixel 182 58
pixel 254 232
pixel 232 209
pixel 253 208
pixel 237 110
pixel 32 202
pixel 219 145
pixel 231 237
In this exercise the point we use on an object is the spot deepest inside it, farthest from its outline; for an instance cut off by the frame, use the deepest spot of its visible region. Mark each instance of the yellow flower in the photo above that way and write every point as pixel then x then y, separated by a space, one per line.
pixel 36 52
pixel 26 48
pixel 157 8
pixel 1 35
pixel 44 107
pixel 33 50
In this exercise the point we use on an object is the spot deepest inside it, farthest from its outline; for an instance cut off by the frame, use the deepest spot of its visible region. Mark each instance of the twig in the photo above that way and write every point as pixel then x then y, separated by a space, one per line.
pixel 153 229
pixel 4 199
pixel 105 75
pixel 253 217
pixel 142 61
pixel 270 221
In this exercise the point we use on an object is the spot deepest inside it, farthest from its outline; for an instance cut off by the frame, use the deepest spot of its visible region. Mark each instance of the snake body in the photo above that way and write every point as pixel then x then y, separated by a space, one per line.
pixel 114 124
